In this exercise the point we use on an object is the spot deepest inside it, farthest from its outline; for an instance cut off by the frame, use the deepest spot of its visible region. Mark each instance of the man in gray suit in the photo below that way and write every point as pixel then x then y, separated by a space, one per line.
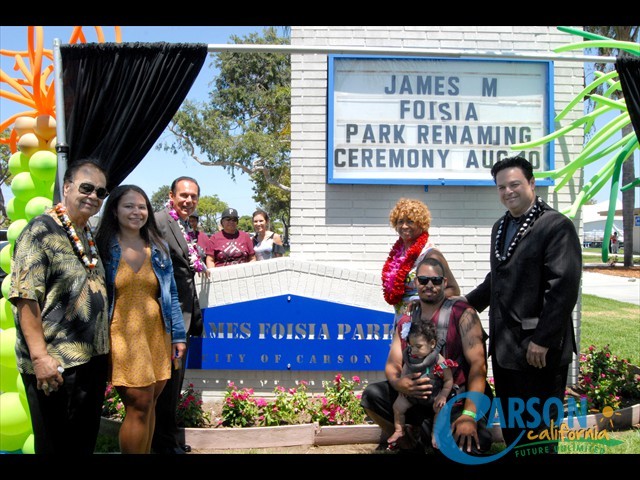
pixel 173 222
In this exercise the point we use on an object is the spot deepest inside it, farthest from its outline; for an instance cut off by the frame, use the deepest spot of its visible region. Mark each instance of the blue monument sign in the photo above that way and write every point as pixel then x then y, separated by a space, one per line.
pixel 290 332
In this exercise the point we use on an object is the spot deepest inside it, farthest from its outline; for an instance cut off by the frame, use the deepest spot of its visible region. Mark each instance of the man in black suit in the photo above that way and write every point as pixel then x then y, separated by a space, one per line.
pixel 173 222
pixel 531 291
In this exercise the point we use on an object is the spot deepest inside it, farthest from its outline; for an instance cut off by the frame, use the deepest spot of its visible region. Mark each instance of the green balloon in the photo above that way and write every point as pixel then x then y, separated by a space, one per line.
pixel 12 443
pixel 29 448
pixel 43 165
pixel 15 209
pixel 9 379
pixel 5 258
pixel 23 186
pixel 36 206
pixel 6 286
pixel 15 229
pixel 23 394
pixel 44 188
pixel 14 420
pixel 3 313
pixel 6 314
pixel 8 348
pixel 18 163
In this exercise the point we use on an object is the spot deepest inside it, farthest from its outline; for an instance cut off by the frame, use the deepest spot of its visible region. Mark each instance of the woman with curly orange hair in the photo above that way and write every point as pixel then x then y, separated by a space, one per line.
pixel 411 219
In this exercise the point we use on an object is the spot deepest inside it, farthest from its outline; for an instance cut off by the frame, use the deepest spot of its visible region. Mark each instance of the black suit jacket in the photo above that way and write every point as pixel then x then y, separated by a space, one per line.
pixel 183 272
pixel 532 294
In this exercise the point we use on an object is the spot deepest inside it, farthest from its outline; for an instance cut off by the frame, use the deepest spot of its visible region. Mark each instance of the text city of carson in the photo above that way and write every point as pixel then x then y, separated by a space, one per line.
pixel 298 359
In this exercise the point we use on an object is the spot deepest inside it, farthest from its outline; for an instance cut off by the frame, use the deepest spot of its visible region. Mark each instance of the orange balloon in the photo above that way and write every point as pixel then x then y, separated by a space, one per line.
pixel 29 143
pixel 45 126
pixel 24 125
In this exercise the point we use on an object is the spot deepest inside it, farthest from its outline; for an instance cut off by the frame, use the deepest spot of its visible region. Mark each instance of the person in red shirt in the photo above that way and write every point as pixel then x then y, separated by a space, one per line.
pixel 614 244
pixel 230 246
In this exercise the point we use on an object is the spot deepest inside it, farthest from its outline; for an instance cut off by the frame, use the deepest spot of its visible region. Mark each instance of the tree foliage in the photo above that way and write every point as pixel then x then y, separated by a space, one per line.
pixel 160 197
pixel 5 178
pixel 245 125
pixel 210 208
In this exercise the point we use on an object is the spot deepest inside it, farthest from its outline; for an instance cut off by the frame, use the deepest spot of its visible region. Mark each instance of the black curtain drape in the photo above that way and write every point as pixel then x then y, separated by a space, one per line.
pixel 628 69
pixel 119 98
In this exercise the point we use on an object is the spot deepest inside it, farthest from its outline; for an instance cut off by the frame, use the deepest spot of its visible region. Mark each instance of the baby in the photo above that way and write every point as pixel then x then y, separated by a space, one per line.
pixel 422 354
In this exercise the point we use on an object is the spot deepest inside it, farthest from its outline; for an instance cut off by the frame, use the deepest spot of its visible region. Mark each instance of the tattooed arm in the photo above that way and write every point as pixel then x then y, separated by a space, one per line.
pixel 473 347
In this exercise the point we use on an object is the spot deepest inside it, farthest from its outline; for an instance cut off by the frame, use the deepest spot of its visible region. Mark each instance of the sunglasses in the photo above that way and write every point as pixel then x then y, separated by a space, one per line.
pixel 233 219
pixel 87 189
pixel 425 280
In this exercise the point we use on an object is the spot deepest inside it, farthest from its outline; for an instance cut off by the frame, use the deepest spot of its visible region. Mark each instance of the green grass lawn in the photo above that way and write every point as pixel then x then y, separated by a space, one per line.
pixel 594 255
pixel 606 321
pixel 609 321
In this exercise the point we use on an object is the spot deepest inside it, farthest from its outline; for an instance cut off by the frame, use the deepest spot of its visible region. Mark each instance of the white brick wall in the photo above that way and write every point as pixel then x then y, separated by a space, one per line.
pixel 349 223
pixel 281 276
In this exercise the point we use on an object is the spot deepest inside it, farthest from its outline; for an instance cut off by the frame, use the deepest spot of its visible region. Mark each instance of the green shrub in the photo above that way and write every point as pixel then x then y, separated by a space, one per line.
pixel 605 379
pixel 190 413
pixel 339 405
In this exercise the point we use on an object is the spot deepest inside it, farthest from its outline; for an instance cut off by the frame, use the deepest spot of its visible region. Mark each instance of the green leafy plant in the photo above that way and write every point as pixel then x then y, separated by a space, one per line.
pixel 339 405
pixel 605 380
pixel 190 413
pixel 240 408
pixel 288 408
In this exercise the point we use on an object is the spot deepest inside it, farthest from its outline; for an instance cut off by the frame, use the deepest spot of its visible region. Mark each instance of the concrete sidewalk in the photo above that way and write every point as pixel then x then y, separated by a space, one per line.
pixel 622 289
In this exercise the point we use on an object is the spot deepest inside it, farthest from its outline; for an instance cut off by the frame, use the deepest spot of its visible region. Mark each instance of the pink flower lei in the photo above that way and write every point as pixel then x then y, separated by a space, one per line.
pixel 397 267
pixel 190 237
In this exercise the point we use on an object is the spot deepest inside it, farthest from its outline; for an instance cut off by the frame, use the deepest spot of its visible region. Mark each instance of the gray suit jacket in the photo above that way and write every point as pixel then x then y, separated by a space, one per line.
pixel 183 273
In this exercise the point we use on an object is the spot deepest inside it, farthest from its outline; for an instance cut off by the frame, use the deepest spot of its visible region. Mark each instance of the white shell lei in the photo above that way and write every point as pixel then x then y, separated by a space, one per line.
pixel 531 217
pixel 61 211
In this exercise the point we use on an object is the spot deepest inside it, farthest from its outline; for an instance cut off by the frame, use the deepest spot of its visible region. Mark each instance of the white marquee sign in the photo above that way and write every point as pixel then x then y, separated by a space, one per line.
pixel 434 121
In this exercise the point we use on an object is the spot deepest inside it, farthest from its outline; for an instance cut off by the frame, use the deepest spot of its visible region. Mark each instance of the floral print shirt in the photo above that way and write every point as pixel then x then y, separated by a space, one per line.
pixel 73 301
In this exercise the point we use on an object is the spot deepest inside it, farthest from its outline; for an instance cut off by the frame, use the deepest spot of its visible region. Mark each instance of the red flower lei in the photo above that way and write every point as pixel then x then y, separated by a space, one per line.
pixel 397 267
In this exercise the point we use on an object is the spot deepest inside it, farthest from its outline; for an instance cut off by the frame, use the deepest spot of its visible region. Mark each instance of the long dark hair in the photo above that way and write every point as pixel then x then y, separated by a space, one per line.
pixel 109 224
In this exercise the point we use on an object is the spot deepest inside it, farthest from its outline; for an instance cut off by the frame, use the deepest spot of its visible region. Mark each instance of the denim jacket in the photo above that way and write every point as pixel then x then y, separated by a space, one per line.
pixel 169 303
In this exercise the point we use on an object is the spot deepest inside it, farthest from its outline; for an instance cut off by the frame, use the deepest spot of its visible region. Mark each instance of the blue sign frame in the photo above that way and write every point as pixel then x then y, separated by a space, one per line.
pixel 385 130
pixel 290 332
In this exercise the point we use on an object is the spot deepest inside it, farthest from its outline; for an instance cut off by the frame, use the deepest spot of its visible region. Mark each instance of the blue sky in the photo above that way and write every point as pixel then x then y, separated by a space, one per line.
pixel 158 168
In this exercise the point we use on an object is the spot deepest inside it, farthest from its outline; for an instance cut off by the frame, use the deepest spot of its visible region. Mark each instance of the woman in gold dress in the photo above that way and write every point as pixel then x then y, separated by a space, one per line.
pixel 147 331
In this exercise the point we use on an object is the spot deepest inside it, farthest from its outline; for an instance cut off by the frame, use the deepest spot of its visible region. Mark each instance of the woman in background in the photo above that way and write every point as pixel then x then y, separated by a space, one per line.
pixel 267 244
pixel 229 246
pixel 147 329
